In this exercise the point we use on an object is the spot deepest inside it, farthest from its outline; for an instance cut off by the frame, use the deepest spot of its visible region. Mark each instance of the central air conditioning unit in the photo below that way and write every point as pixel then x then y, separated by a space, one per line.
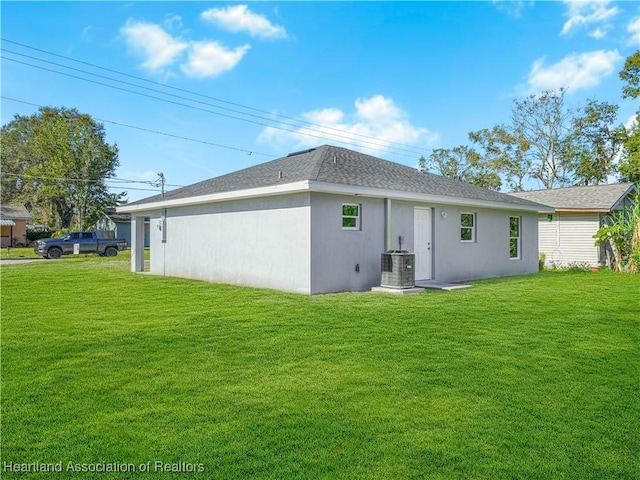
pixel 398 269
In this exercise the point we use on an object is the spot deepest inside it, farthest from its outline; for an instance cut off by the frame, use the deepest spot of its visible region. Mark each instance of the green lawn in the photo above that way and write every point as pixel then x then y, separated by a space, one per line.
pixel 27 253
pixel 530 377
pixel 18 253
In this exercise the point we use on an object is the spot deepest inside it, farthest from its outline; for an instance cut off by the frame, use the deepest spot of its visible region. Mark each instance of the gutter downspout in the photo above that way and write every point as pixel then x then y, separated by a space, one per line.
pixel 387 224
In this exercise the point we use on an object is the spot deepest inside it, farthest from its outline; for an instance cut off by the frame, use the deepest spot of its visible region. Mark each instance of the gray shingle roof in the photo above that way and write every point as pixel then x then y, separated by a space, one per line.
pixel 595 197
pixel 14 211
pixel 342 166
pixel 117 217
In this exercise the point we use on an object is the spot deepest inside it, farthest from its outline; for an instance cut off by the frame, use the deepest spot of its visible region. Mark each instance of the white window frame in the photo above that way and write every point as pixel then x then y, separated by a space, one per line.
pixel 356 217
pixel 472 228
pixel 517 238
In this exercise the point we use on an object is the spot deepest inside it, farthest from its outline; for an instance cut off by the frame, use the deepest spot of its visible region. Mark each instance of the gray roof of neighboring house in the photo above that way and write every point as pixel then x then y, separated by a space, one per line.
pixel 14 212
pixel 596 197
pixel 338 165
pixel 117 217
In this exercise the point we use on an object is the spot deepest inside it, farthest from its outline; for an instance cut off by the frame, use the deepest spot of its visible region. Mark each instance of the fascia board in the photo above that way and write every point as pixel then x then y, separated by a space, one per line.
pixel 582 210
pixel 423 197
pixel 335 188
pixel 631 191
pixel 218 197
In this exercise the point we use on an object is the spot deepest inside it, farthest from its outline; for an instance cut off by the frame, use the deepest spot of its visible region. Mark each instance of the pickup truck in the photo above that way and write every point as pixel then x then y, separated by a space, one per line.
pixel 88 242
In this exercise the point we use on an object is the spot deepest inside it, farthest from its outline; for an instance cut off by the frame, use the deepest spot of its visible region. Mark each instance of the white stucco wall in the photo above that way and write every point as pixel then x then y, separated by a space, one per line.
pixel 488 255
pixel 296 242
pixel 335 252
pixel 259 242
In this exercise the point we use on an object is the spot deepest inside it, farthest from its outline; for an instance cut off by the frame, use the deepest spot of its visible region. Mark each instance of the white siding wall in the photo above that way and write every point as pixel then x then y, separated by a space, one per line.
pixel 569 238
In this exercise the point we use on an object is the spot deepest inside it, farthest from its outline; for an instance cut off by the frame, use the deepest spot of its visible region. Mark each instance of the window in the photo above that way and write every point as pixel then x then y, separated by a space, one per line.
pixel 514 237
pixel 468 227
pixel 350 217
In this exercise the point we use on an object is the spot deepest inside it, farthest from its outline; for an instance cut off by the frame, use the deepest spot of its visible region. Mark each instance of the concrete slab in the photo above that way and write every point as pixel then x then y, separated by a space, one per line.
pixel 446 287
pixel 398 291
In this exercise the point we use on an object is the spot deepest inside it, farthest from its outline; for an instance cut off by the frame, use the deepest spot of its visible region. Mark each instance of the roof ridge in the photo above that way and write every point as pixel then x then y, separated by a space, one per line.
pixel 628 184
pixel 323 151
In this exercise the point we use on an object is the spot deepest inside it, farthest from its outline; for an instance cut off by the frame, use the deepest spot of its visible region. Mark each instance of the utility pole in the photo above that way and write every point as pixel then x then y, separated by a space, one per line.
pixel 162 180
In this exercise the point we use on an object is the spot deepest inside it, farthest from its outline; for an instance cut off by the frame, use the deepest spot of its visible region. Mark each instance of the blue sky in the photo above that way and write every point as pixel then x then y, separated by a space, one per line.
pixel 254 81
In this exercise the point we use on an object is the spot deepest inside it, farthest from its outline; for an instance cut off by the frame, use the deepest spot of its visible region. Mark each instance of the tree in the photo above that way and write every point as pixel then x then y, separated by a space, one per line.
pixel 630 163
pixel 595 143
pixel 622 231
pixel 537 143
pixel 505 153
pixel 541 122
pixel 56 162
pixel 629 167
pixel 461 163
pixel 631 75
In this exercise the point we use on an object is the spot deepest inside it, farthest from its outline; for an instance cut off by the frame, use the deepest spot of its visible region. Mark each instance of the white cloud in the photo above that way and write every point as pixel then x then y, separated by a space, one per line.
pixel 513 8
pixel 574 72
pixel 585 13
pixel 207 59
pixel 598 33
pixel 239 18
pixel 631 122
pixel 634 29
pixel 153 44
pixel 373 126
pixel 88 31
pixel 160 50
pixel 172 21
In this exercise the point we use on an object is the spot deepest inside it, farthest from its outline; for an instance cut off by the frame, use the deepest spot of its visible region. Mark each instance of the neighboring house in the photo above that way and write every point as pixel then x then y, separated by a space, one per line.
pixel 566 237
pixel 13 225
pixel 317 221
pixel 118 225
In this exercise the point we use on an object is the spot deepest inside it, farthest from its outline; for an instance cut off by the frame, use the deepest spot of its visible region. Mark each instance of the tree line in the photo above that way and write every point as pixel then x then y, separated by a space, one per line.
pixel 56 163
pixel 547 141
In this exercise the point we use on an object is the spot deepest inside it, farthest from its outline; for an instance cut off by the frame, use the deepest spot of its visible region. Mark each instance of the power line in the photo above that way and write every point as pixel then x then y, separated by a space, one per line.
pixel 86 180
pixel 107 183
pixel 248 152
pixel 351 134
pixel 378 142
pixel 199 108
pixel 111 187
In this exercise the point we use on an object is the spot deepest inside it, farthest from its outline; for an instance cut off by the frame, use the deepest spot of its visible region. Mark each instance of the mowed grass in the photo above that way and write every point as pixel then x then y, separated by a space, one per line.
pixel 531 377
pixel 18 253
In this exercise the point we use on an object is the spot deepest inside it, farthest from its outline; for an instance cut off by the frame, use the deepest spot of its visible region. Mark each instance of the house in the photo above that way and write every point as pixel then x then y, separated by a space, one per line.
pixel 118 225
pixel 317 221
pixel 566 236
pixel 13 224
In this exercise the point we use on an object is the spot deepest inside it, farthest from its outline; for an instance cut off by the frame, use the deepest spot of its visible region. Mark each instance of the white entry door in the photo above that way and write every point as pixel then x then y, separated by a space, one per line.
pixel 422 243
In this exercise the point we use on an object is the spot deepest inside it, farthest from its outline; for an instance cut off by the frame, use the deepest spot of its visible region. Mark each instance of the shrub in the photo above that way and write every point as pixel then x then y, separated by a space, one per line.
pixel 33 235
pixel 574 266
